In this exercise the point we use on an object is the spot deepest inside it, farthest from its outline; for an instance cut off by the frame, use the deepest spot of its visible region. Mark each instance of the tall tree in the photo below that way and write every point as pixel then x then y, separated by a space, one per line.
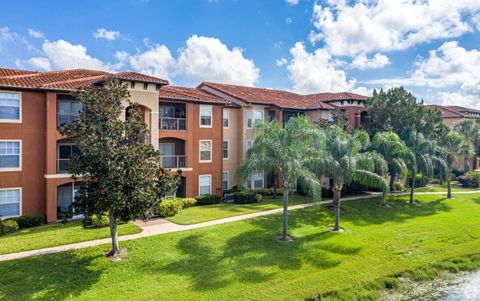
pixel 119 173
pixel 470 130
pixel 344 161
pixel 397 110
pixel 394 151
pixel 286 149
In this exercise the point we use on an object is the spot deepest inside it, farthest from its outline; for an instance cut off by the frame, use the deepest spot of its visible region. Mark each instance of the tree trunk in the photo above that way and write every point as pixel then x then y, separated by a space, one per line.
pixel 475 161
pixel 114 234
pixel 392 181
pixel 440 173
pixel 274 185
pixel 285 212
pixel 412 188
pixel 336 204
pixel 465 164
pixel 449 184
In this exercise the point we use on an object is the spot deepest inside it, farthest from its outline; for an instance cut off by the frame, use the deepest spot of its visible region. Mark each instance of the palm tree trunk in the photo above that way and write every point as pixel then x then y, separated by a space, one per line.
pixel 114 234
pixel 412 188
pixel 449 184
pixel 274 185
pixel 475 161
pixel 465 164
pixel 336 204
pixel 392 181
pixel 285 212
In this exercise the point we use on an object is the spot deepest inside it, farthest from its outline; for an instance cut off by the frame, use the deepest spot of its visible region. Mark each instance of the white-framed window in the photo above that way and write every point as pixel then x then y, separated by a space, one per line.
pixel 255 181
pixel 248 145
pixel 10 155
pixel 225 180
pixel 204 184
pixel 205 151
pixel 10 202
pixel 225 149
pixel 205 116
pixel 226 119
pixel 257 116
pixel 10 107
pixel 249 119
pixel 68 110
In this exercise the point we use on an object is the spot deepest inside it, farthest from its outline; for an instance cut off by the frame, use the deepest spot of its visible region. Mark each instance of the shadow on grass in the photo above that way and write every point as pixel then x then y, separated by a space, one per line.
pixel 37 278
pixel 255 255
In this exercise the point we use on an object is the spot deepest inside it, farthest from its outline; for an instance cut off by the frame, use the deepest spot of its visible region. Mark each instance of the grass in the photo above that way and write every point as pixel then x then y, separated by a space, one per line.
pixel 198 214
pixel 56 235
pixel 443 188
pixel 243 261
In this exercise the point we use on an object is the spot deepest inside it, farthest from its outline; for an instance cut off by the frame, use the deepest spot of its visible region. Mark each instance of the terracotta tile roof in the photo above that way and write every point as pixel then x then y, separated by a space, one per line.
pixel 65 79
pixel 282 99
pixel 189 94
pixel 456 111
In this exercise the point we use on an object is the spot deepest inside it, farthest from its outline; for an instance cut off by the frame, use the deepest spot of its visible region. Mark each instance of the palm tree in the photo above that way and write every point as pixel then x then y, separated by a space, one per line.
pixel 452 144
pixel 286 149
pixel 470 130
pixel 343 161
pixel 394 151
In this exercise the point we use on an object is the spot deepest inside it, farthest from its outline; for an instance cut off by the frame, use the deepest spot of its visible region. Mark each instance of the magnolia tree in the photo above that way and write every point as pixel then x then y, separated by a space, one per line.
pixel 119 173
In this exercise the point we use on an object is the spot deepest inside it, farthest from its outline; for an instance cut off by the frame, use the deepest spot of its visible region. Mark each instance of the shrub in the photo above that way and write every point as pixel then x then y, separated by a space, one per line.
pixel 8 226
pixel 28 221
pixel 420 180
pixel 208 199
pixel 463 180
pixel 169 207
pixel 246 197
pixel 96 221
pixel 473 178
pixel 397 186
pixel 188 202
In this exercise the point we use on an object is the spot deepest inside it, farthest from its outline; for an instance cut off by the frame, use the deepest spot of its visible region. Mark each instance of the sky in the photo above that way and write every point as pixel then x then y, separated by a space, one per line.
pixel 432 47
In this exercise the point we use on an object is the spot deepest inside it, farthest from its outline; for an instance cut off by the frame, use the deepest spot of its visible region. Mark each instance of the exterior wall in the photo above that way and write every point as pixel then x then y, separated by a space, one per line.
pixel 231 134
pixel 316 116
pixel 192 137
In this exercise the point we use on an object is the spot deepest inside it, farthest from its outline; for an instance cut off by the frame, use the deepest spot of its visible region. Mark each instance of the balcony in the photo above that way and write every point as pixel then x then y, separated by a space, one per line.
pixel 172 124
pixel 177 161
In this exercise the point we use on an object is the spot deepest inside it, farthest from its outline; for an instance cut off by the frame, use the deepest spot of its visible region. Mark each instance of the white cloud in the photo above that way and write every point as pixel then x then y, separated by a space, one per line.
pixel 35 33
pixel 292 2
pixel 362 62
pixel 382 25
pixel 208 59
pixel 8 37
pixel 39 63
pixel 280 62
pixel 316 72
pixel 459 99
pixel 288 20
pixel 157 61
pixel 109 35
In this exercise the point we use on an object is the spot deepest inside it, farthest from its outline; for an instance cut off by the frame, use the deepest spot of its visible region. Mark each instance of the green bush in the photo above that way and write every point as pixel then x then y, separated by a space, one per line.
pixel 208 199
pixel 473 178
pixel 188 202
pixel 421 181
pixel 8 226
pixel 397 186
pixel 169 207
pixel 96 221
pixel 28 221
pixel 246 197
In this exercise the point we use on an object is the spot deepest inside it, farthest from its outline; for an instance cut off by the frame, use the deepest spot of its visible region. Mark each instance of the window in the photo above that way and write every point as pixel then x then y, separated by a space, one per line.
pixel 204 184
pixel 157 87
pixel 205 116
pixel 255 181
pixel 10 107
pixel 225 180
pixel 68 111
pixel 249 144
pixel 257 116
pixel 167 112
pixel 225 149
pixel 65 198
pixel 132 85
pixel 225 118
pixel 65 151
pixel 249 119
pixel 205 151
pixel 145 86
pixel 10 155
pixel 10 200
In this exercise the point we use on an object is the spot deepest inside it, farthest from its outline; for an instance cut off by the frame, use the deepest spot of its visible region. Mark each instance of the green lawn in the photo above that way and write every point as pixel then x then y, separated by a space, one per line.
pixel 443 188
pixel 198 214
pixel 56 235
pixel 243 261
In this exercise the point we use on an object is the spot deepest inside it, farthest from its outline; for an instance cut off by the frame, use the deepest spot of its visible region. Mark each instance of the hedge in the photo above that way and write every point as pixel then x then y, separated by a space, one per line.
pixel 169 207
pixel 246 197
pixel 208 199
pixel 8 226
pixel 28 221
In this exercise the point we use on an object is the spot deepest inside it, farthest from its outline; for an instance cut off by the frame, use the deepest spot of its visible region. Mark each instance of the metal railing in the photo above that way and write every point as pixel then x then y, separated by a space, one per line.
pixel 178 161
pixel 172 124
pixel 66 118
pixel 62 165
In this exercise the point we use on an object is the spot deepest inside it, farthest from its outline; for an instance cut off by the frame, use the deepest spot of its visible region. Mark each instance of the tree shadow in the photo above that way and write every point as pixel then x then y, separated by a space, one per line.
pixel 48 277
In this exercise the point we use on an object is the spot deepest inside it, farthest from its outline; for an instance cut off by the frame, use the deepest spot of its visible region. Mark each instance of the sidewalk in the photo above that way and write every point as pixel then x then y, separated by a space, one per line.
pixel 161 226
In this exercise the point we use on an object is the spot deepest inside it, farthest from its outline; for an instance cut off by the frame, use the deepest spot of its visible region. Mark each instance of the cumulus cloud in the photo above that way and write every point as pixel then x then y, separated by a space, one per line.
pixel 38 63
pixel 109 35
pixel 292 2
pixel 208 59
pixel 281 61
pixel 383 25
pixel 35 33
pixel 362 62
pixel 157 61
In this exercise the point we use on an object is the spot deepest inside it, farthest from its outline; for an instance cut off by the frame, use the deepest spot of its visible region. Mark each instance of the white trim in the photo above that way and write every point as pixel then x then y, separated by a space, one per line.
pixel 200 116
pixel 181 168
pixel 58 176
pixel 19 168
pixel 200 151
pixel 228 118
pixel 19 120
pixel 228 178
pixel 228 149
pixel 210 186
pixel 19 203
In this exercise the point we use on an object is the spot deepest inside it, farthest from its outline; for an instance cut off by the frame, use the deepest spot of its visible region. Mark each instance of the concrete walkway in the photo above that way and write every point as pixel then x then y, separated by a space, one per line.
pixel 161 226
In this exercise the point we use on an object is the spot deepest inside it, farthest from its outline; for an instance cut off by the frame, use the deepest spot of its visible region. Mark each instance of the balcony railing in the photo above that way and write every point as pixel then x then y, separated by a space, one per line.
pixel 174 161
pixel 172 124
pixel 62 165
pixel 66 118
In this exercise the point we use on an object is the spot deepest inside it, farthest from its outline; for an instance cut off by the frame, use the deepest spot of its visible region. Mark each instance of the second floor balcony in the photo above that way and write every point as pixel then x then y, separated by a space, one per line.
pixel 176 161
pixel 172 124
pixel 173 117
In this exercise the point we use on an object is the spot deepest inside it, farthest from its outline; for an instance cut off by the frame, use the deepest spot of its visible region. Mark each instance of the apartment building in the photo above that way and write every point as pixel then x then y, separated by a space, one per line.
pixel 454 114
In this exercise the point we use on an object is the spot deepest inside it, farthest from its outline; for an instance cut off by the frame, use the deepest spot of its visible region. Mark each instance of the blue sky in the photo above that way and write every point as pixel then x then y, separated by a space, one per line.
pixel 432 47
